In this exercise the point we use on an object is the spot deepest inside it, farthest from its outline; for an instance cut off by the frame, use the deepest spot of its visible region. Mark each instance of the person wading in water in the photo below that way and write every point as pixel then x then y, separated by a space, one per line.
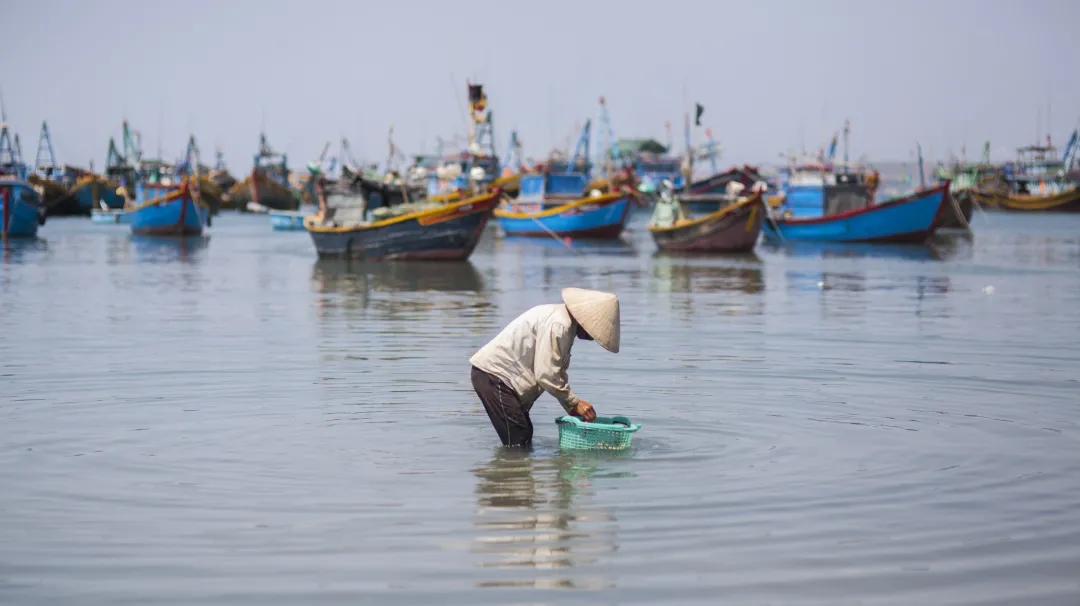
pixel 531 355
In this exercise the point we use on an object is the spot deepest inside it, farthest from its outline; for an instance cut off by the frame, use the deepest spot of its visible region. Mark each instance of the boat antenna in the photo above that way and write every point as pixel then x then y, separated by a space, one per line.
pixel 551 115
pixel 1038 125
pixel 847 129
pixel 461 108
pixel 161 129
pixel 1049 125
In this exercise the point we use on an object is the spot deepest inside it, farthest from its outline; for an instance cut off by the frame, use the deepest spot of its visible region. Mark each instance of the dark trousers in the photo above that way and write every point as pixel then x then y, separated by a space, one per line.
pixel 508 416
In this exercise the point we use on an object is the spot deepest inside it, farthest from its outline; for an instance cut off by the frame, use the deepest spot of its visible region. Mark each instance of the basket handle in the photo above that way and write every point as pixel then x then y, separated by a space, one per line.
pixel 569 420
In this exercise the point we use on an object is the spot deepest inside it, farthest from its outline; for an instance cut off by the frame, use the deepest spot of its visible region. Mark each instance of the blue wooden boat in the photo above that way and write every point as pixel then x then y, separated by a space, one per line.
pixel 285 220
pixel 268 183
pixel 557 205
pixel 912 218
pixel 562 204
pixel 22 210
pixel 167 210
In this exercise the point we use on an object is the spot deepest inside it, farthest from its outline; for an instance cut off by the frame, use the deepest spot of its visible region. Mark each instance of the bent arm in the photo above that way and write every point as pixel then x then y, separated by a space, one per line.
pixel 550 362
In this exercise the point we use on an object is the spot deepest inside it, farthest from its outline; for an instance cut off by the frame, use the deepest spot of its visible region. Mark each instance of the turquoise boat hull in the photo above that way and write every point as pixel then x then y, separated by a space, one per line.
pixel 605 219
pixel 909 219
pixel 287 220
pixel 21 209
pixel 166 211
pixel 109 217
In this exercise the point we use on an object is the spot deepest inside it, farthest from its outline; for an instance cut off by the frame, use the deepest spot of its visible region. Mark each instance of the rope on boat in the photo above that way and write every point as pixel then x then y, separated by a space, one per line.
pixel 959 212
pixel 555 235
pixel 768 210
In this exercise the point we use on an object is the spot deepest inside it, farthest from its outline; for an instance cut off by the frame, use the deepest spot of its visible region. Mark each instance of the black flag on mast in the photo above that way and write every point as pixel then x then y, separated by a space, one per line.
pixel 700 110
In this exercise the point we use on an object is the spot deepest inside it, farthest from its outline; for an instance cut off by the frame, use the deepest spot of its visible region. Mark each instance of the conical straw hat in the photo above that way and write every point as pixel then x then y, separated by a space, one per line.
pixel 598 314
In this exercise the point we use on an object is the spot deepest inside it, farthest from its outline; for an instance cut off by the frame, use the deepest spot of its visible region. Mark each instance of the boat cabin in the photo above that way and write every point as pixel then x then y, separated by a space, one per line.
pixel 271 163
pixel 650 161
pixel 157 171
pixel 651 173
pixel 551 189
pixel 816 190
pixel 562 165
pixel 1038 170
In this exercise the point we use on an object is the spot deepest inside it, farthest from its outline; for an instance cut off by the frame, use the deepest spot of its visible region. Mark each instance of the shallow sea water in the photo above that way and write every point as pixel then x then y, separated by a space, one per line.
pixel 228 421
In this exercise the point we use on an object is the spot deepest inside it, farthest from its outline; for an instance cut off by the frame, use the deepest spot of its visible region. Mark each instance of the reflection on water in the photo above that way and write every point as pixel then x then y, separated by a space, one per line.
pixel 396 288
pixel 732 273
pixel 537 514
pixel 250 426
pixel 953 245
pixel 696 288
pixel 352 277
pixel 556 247
pixel 825 250
pixel 157 249
pixel 20 250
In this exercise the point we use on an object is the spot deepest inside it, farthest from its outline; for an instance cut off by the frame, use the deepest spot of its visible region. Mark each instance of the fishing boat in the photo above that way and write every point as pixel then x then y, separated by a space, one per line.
pixel 713 192
pixel 94 191
pixel 191 165
pixel 1038 181
pixel 911 218
pixel 732 229
pixel 562 205
pixel 22 210
pixel 450 177
pixel 268 183
pixel 415 230
pixel 165 209
pixel 957 211
pixel 556 205
pixel 287 220
pixel 53 181
pixel 220 175
pixel 650 161
pixel 964 178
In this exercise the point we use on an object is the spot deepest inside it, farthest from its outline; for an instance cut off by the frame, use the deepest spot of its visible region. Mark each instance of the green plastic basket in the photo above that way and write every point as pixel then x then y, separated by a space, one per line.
pixel 605 433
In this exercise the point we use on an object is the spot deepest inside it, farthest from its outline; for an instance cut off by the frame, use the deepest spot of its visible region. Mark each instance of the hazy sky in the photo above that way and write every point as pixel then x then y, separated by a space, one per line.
pixel 771 74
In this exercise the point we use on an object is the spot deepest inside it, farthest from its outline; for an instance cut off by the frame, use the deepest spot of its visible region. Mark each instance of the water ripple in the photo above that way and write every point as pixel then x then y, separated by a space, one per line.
pixel 225 420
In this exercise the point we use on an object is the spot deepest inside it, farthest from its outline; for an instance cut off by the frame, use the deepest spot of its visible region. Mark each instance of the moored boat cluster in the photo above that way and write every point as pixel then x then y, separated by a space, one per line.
pixel 438 208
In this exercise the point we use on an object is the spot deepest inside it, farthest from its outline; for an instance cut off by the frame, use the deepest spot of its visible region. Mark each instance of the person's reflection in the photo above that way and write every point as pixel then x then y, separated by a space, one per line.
pixel 530 517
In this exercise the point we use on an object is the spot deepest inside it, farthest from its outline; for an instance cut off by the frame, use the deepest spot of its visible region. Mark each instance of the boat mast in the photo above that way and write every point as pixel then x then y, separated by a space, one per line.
pixel 610 152
pixel 514 151
pixel 847 129
pixel 688 165
pixel 581 148
pixel 45 145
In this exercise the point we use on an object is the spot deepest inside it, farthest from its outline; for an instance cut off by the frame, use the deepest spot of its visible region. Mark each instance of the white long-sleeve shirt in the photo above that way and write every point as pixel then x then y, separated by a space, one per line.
pixel 532 353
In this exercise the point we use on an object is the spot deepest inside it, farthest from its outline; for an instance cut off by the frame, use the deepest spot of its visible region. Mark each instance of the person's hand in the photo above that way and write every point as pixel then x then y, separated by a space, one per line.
pixel 585 411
